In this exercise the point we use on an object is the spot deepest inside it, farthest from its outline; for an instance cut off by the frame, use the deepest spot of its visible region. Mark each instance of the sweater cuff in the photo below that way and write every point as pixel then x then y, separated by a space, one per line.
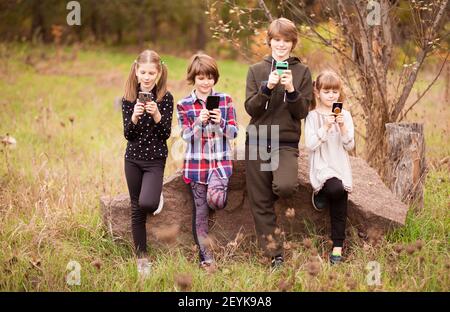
pixel 346 139
pixel 264 89
pixel 292 96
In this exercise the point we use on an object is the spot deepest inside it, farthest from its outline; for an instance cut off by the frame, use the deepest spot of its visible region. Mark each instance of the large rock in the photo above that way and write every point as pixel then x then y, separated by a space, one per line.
pixel 371 206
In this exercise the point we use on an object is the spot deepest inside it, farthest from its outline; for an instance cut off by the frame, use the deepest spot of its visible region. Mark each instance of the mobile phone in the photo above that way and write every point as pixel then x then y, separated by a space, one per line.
pixel 212 102
pixel 337 108
pixel 145 97
pixel 281 66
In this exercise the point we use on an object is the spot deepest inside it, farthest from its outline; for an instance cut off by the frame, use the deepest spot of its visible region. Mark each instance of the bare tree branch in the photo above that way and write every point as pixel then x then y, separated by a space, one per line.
pixel 311 22
pixel 387 33
pixel 367 45
pixel 262 4
pixel 420 58
pixel 323 40
pixel 426 89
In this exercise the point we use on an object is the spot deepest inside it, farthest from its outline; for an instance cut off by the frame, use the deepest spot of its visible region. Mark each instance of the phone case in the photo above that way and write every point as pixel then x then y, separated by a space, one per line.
pixel 212 102
pixel 145 97
pixel 337 108
pixel 281 66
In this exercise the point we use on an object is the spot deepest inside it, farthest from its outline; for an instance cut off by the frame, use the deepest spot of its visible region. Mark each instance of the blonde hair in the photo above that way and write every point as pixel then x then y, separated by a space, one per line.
pixel 146 57
pixel 282 27
pixel 328 80
pixel 202 64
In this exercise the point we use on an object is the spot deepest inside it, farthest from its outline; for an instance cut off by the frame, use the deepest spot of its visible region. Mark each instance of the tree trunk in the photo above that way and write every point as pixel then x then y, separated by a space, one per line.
pixel 376 118
pixel 94 21
pixel 447 84
pixel 154 24
pixel 405 161
pixel 38 28
pixel 200 40
pixel 141 25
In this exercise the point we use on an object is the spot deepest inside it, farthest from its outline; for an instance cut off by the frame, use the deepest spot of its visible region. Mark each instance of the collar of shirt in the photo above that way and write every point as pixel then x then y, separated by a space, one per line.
pixel 195 98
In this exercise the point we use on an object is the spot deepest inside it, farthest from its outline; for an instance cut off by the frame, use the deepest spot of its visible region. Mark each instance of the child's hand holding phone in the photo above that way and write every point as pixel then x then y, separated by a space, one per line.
pixel 274 79
pixel 337 113
pixel 340 119
pixel 286 80
pixel 204 116
pixel 215 115
pixel 137 112
pixel 151 108
pixel 341 123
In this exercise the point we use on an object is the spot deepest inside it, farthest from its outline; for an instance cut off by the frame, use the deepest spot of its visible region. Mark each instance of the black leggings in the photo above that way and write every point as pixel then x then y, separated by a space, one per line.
pixel 145 180
pixel 337 196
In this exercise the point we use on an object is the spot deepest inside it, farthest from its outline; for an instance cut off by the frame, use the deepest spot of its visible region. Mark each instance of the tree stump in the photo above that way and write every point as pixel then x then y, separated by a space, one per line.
pixel 405 162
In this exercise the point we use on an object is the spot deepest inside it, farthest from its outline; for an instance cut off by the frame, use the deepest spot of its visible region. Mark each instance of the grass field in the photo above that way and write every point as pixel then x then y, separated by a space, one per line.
pixel 60 107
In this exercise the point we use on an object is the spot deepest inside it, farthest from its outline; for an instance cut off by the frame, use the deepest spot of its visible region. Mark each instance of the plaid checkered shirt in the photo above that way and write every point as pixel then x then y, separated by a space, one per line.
pixel 208 146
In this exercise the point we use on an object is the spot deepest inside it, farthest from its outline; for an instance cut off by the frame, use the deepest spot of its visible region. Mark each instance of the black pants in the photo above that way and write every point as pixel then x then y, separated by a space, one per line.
pixel 145 180
pixel 333 190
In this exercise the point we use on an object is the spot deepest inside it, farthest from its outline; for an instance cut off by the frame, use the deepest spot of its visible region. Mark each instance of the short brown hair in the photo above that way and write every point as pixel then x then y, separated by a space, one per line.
pixel 282 27
pixel 202 64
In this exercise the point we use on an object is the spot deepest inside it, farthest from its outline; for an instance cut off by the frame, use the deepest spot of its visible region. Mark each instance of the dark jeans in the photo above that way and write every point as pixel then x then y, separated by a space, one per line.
pixel 265 187
pixel 144 179
pixel 334 192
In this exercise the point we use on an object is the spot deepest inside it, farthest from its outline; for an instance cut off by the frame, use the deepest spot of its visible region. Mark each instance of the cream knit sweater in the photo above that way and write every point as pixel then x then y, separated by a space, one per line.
pixel 328 155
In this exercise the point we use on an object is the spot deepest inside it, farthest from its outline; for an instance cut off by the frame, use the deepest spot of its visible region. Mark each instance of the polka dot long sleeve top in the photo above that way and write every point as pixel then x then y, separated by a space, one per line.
pixel 147 139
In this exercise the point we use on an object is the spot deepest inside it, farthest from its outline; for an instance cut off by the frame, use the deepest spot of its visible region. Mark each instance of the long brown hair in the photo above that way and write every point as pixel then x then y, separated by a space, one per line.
pixel 327 79
pixel 147 56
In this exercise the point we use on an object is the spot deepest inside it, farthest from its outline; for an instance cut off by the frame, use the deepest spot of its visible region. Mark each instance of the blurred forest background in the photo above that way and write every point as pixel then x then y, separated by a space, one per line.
pixel 166 25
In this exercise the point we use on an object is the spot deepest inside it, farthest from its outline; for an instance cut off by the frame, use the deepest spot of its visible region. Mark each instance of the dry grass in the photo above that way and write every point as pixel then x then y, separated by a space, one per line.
pixel 69 150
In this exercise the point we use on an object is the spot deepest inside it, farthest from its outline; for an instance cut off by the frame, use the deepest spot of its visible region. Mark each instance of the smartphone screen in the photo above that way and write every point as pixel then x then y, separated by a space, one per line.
pixel 212 102
pixel 337 108
pixel 145 97
pixel 281 66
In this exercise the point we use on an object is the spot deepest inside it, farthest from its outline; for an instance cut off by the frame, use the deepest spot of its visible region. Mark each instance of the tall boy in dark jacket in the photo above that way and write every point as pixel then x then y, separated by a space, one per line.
pixel 276 102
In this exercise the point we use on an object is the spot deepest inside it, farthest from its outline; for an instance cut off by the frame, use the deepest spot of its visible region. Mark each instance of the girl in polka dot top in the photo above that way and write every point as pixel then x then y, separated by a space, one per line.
pixel 146 126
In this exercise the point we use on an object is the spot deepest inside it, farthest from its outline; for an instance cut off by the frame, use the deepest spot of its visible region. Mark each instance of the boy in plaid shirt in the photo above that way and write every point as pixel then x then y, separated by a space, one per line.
pixel 208 159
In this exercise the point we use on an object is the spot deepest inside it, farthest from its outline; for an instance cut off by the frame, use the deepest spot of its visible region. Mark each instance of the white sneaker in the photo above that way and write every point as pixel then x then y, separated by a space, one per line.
pixel 143 267
pixel 160 206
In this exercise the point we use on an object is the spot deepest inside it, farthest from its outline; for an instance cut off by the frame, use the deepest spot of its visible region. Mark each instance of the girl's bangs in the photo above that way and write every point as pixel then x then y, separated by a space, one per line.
pixel 330 82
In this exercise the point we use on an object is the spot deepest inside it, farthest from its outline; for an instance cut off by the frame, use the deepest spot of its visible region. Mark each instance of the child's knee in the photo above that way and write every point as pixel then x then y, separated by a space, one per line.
pixel 334 188
pixel 149 205
pixel 284 189
pixel 217 200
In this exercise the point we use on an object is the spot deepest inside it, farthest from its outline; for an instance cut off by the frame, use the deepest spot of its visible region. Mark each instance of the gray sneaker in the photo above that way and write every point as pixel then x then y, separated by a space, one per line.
pixel 160 205
pixel 143 267
pixel 277 263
